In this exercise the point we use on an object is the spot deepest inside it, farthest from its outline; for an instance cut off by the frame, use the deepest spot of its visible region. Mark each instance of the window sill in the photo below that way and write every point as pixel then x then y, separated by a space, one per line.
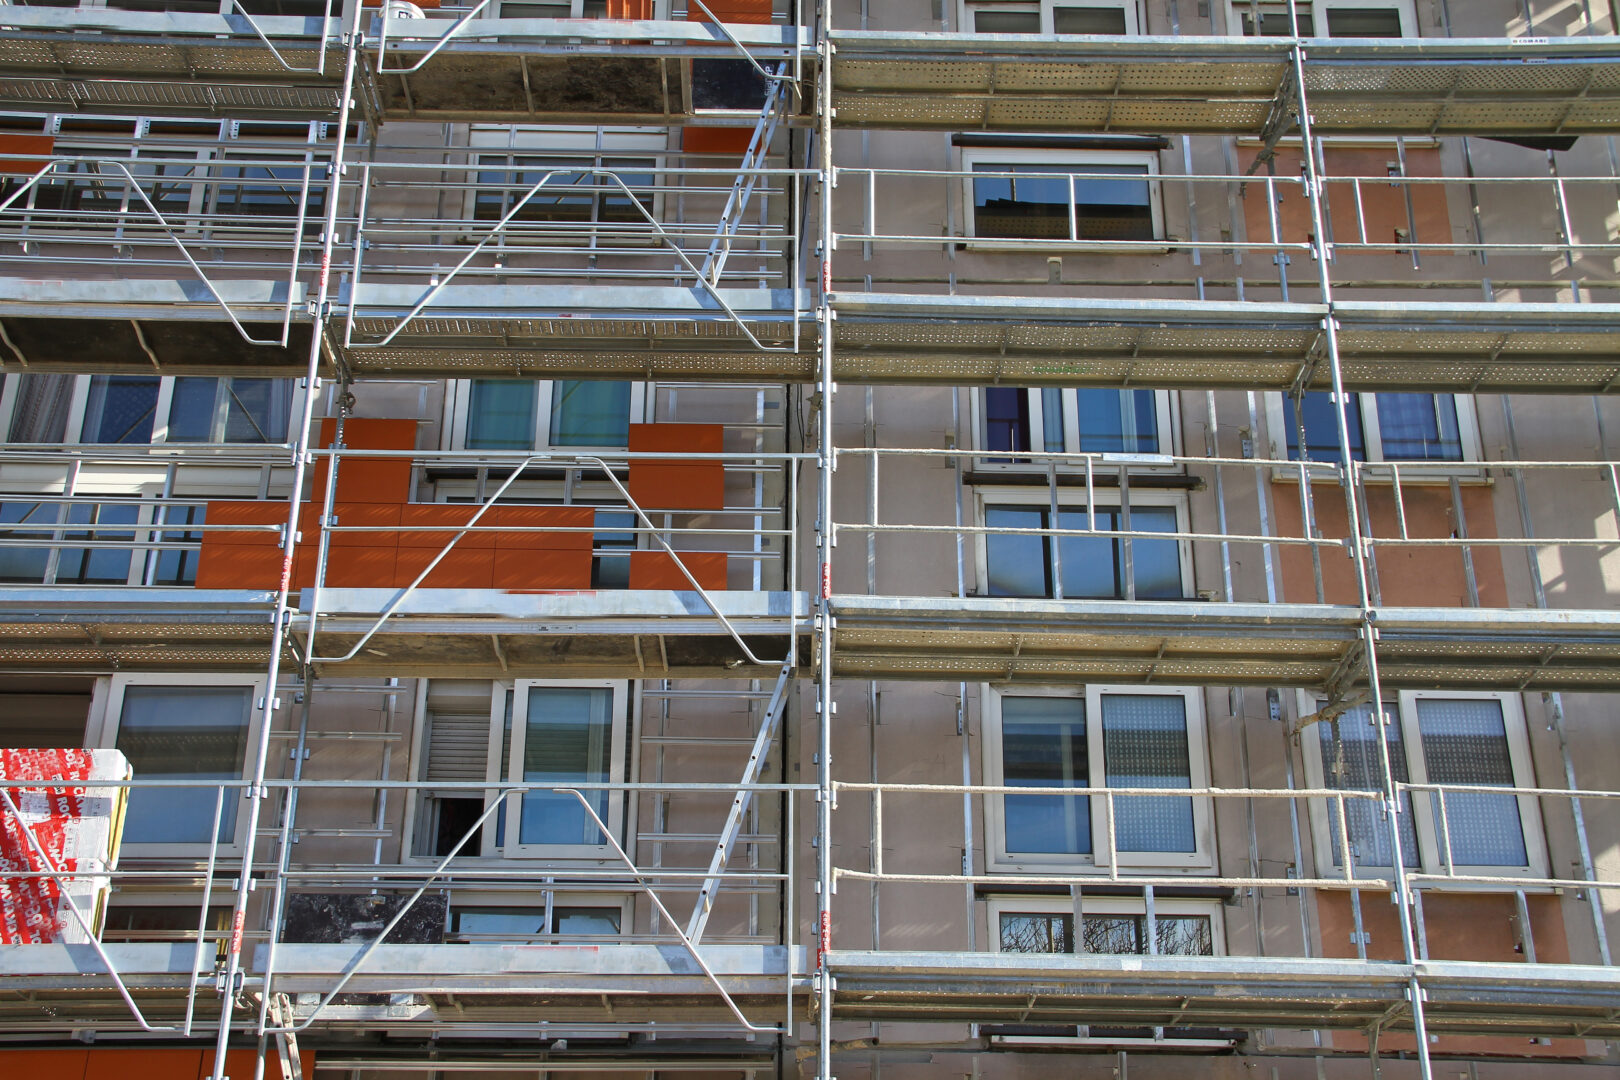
pixel 1037 246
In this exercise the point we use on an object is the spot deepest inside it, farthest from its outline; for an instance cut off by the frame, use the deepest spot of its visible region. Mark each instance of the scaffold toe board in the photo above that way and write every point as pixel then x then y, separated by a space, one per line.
pixel 1221 991
pixel 493 633
pixel 446 984
pixel 1434 347
pixel 168 63
pixel 147 325
pixel 1020 82
pixel 565 331
pixel 98 628
pixel 1218 644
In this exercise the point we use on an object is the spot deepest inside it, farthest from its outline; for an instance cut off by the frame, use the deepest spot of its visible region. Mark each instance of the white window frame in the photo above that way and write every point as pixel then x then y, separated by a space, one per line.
pixel 996 906
pixel 458 398
pixel 1280 420
pixel 74 433
pixel 626 720
pixel 145 527
pixel 1424 817
pixel 1318 9
pixel 1079 161
pixel 1133 21
pixel 1107 499
pixel 1167 415
pixel 1201 860
pixel 106 715
pixel 596 143
pixel 551 899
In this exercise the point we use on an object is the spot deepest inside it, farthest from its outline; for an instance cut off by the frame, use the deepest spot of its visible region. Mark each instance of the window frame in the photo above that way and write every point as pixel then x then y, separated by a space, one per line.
pixel 458 400
pixel 1405 9
pixel 1280 420
pixel 106 717
pixel 1167 411
pixel 517 141
pixel 626 714
pixel 1133 20
pixel 78 403
pixel 1080 161
pixel 552 899
pixel 997 905
pixel 1201 860
pixel 1107 500
pixel 1424 817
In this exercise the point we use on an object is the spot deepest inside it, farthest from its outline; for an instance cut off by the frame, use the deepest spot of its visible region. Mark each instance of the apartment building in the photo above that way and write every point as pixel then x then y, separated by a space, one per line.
pixel 1001 538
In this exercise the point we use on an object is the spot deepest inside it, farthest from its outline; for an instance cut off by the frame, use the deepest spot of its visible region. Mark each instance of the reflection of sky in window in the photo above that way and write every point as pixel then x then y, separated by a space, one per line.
pixel 1043 744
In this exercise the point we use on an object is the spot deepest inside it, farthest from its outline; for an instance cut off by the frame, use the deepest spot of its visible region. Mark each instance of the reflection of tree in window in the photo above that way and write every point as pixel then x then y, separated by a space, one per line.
pixel 120 409
pixel 1106 934
pixel 590 413
pixel 1043 745
pixel 1035 201
pixel 573 192
pixel 1411 427
pixel 230 410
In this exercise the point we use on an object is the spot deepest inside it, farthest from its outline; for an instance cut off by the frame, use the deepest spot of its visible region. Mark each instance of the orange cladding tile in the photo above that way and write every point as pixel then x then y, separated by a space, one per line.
pixel 543 569
pixel 238 568
pixel 45 1064
pixel 472 568
pixel 629 9
pixel 656 570
pixel 657 484
pixel 38 145
pixel 716 140
pixel 732 11
pixel 141 1063
pixel 549 518
pixel 262 512
pixel 383 516
pixel 416 519
pixel 367 481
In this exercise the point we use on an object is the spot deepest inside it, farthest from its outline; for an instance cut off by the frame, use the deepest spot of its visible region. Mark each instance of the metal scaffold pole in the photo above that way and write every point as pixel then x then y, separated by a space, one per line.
pixel 256 792
pixel 1358 549
pixel 824 545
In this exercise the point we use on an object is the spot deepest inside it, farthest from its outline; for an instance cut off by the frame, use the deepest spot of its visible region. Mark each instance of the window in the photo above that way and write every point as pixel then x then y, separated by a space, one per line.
pixel 68 565
pixel 527 732
pixel 181 727
pixel 564 915
pixel 1062 195
pixel 1326 18
pixel 1087 420
pixel 143 409
pixel 577 199
pixel 1475 739
pixel 1104 737
pixel 1109 927
pixel 1084 567
pixel 1382 427
pixel 1049 17
pixel 523 414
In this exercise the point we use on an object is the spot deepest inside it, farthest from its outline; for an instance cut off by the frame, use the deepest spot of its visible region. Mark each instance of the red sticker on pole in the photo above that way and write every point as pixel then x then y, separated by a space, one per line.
pixel 236 934
pixel 826 581
pixel 824 940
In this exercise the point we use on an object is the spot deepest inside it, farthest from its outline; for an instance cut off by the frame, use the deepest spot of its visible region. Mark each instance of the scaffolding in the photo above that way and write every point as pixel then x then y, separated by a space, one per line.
pixel 727 277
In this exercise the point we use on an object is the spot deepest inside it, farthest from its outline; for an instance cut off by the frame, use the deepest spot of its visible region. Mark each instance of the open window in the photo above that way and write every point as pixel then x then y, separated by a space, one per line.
pixel 1063 195
pixel 1061 740
pixel 1107 17
pixel 1324 18
pixel 1382 427
pixel 529 414
pixel 1140 567
pixel 1433 737
pixel 182 728
pixel 549 735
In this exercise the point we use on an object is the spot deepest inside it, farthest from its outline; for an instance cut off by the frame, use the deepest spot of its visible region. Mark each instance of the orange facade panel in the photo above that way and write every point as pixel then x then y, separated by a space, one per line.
pixel 37 145
pixel 656 570
pixel 672 484
pixel 732 11
pixel 367 481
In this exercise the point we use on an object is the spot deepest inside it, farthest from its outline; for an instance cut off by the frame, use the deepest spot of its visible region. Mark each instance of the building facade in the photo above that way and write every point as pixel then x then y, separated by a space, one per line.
pixel 742 539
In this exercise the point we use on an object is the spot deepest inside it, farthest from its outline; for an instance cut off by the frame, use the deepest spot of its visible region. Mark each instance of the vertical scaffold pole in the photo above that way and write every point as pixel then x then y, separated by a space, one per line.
pixel 824 545
pixel 256 794
pixel 1358 550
